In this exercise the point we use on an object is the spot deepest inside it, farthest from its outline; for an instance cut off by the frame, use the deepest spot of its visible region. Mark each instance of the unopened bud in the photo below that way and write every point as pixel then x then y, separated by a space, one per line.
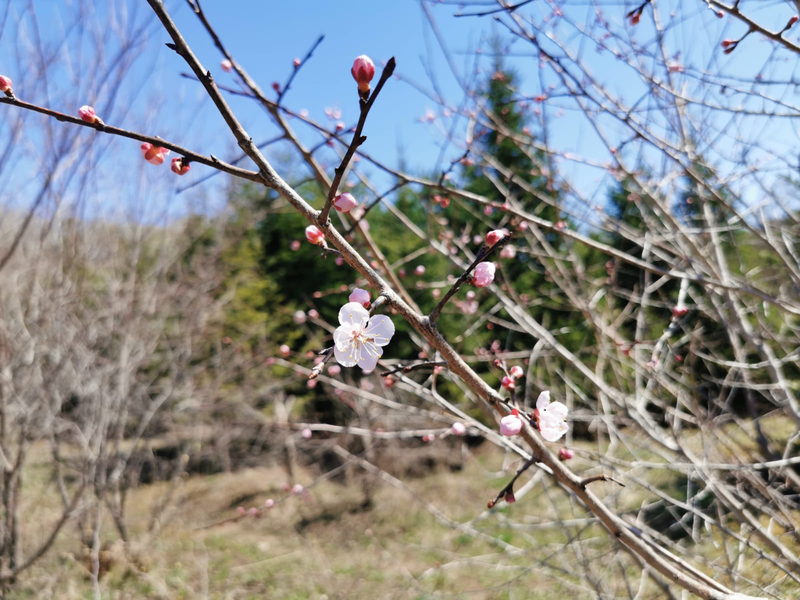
pixel 363 71
pixel 180 167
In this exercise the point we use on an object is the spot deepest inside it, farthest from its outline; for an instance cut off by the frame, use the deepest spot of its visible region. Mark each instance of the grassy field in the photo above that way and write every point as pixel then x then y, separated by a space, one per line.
pixel 330 545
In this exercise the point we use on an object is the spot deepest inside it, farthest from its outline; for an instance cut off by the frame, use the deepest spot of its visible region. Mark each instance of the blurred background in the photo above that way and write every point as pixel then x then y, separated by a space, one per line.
pixel 160 436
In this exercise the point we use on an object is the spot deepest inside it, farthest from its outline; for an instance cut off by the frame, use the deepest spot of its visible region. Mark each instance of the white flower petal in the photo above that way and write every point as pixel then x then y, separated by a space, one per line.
pixel 342 337
pixel 353 315
pixel 345 355
pixel 558 410
pixel 543 400
pixel 370 353
pixel 381 330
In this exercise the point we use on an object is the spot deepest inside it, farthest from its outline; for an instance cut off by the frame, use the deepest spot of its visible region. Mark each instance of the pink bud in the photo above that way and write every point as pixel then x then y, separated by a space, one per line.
pixel 507 382
pixel 276 86
pixel 792 21
pixel 484 274
pixel 727 43
pixel 295 245
pixel 313 314
pixel 360 296
pixel 339 261
pixel 269 503
pixel 296 62
pixel 511 425
pixel 314 235
pixel 252 511
pixel 334 370
pixel 344 203
pixel 494 236
pixel 285 350
pixel 240 510
pixel 388 381
pixel 87 114
pixel 226 65
pixel 508 251
pixel 510 498
pixel 363 71
pixel 299 317
pixel 285 486
pixel 5 85
pixel 720 14
pixel 340 126
pixel 458 429
pixel 297 489
pixel 180 167
pixel 155 155
pixel 306 433
pixel 680 311
pixel 420 270
pixel 565 454
pixel 516 372
pixel 488 210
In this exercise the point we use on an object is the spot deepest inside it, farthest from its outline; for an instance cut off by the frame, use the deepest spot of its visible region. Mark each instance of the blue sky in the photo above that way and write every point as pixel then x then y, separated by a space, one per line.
pixel 266 36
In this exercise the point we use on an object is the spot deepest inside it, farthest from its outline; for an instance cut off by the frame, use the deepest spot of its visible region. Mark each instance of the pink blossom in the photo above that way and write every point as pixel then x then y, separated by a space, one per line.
pixel 511 425
pixel 565 454
pixel 488 210
pixel 680 311
pixel 269 503
pixel 470 295
pixel 551 417
pixel 306 433
pixel 507 382
pixel 297 489
pixel 285 350
pixel 180 167
pixel 508 251
pixel 494 236
pixel 313 313
pixel 360 296
pixel 88 115
pixel 420 270
pixel 363 71
pixel 344 203
pixel 359 339
pixel 484 274
pixel 155 155
pixel 295 245
pixel 226 65
pixel 516 372
pixel 458 429
pixel 5 85
pixel 314 235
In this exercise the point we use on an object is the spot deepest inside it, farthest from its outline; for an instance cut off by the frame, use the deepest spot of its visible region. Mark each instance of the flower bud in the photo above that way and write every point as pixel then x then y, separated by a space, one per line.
pixel 727 42
pixel 490 503
pixel 511 425
pixel 285 350
pixel 299 317
pixel 269 503
pixel 296 62
pixel 306 433
pixel 5 85
pixel 314 235
pixel 360 296
pixel 565 454
pixel 226 65
pixel 297 489
pixel 458 429
pixel 180 167
pixel 516 371
pixel 507 382
pixel 344 203
pixel 510 498
pixel 363 71
pixel 792 21
pixel 420 270
pixel 155 155
pixel 484 274
pixel 294 246
pixel 680 311
pixel 87 114
pixel 494 236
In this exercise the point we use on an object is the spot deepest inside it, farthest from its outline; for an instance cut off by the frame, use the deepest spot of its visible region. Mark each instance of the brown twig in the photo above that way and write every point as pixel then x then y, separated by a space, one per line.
pixel 483 254
pixel 594 478
pixel 414 367
pixel 357 140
